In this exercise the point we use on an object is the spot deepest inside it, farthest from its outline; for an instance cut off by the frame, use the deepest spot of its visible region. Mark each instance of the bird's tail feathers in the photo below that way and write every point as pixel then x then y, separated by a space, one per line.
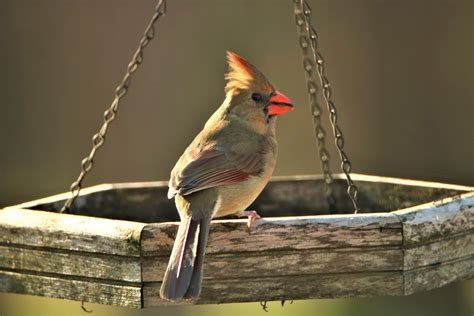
pixel 183 275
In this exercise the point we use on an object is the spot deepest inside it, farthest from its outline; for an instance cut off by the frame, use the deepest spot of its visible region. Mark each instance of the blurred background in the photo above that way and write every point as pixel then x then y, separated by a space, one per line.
pixel 402 74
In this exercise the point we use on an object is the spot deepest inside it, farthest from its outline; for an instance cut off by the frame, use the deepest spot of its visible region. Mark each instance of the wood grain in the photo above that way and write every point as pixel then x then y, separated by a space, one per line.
pixel 271 263
pixel 69 232
pixel 436 276
pixel 292 253
pixel 283 196
pixel 81 264
pixel 303 232
pixel 438 219
pixel 289 287
pixel 89 290
pixel 443 250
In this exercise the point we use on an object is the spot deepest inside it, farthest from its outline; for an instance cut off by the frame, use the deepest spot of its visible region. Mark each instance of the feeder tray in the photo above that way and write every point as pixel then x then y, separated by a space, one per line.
pixel 114 247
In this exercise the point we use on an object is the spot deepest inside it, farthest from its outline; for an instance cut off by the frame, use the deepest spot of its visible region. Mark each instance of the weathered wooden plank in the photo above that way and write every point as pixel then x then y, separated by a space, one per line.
pixel 289 287
pixel 84 264
pixel 435 276
pixel 70 232
pixel 293 257
pixel 261 264
pixel 96 193
pixel 283 196
pixel 302 195
pixel 283 233
pixel 89 290
pixel 437 219
pixel 140 202
pixel 443 250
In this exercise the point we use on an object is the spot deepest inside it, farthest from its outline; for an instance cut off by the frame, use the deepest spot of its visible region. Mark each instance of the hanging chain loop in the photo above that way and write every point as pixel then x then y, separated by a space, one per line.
pixel 316 111
pixel 110 114
pixel 308 38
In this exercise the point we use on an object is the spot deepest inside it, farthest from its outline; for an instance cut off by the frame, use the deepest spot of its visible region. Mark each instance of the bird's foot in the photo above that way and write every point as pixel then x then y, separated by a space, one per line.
pixel 252 215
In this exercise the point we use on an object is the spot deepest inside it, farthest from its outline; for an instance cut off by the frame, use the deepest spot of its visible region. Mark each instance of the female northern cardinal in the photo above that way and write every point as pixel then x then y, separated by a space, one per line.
pixel 223 170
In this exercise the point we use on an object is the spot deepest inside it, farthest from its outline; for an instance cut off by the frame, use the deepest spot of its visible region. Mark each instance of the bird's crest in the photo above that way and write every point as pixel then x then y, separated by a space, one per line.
pixel 243 75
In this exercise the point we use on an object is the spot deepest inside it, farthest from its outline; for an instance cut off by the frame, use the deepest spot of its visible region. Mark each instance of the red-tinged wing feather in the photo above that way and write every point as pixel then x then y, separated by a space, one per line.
pixel 210 168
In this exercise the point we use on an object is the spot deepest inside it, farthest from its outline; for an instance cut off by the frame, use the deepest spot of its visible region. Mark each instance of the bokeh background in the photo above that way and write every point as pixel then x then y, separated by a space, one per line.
pixel 402 73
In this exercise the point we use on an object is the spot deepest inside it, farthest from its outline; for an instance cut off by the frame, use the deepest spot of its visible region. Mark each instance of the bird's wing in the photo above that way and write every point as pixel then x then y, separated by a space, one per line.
pixel 203 169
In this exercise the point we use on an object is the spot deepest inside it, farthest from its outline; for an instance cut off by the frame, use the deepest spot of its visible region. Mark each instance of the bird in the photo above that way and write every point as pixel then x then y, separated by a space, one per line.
pixel 222 171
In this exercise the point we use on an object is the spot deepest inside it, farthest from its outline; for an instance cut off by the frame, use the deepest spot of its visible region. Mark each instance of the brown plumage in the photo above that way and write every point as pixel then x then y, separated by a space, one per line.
pixel 223 170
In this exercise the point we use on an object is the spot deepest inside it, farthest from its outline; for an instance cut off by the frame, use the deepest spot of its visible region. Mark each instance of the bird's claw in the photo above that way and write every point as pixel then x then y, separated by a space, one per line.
pixel 252 217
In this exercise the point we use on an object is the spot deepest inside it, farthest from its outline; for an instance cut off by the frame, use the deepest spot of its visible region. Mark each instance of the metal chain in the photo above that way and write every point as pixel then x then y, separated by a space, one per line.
pixel 309 38
pixel 110 114
pixel 315 108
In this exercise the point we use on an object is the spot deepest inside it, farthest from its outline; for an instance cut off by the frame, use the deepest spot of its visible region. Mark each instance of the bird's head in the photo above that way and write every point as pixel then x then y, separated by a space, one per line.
pixel 250 94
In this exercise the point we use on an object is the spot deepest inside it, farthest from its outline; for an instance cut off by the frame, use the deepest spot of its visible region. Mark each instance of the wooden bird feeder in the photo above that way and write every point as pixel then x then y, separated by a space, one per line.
pixel 114 245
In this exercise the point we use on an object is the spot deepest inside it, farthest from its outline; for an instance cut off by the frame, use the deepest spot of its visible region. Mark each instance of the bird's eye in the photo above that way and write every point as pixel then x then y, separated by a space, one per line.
pixel 257 97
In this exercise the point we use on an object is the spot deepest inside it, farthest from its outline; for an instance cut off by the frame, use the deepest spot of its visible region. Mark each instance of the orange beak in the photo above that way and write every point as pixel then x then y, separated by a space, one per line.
pixel 279 104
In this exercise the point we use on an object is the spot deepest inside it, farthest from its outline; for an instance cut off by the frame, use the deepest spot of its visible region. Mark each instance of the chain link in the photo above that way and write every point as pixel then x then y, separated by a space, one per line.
pixel 308 38
pixel 308 66
pixel 110 114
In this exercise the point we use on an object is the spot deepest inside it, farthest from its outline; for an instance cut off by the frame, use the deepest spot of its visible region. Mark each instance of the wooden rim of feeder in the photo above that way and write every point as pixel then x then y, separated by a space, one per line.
pixel 399 248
